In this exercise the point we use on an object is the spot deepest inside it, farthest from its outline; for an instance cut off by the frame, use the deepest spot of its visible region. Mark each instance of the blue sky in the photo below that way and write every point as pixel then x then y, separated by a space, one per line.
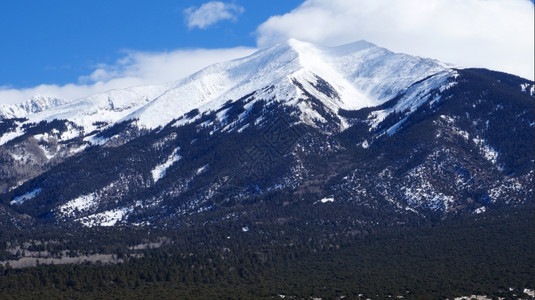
pixel 56 41
pixel 71 49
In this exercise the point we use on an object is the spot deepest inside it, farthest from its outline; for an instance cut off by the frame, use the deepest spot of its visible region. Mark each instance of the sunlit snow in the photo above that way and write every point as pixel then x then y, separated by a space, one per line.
pixel 107 218
pixel 480 210
pixel 159 171
pixel 327 199
pixel 361 75
pixel 10 136
pixel 79 204
pixel 202 169
pixel 488 152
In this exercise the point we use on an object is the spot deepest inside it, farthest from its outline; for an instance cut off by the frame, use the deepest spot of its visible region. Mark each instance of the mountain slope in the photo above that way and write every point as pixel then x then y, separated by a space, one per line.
pixel 293 123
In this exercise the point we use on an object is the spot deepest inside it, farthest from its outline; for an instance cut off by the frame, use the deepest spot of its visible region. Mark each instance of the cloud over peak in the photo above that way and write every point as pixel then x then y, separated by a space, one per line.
pixel 495 34
pixel 211 13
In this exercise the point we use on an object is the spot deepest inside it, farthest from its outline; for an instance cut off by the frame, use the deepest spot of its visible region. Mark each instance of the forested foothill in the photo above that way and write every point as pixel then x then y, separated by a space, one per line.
pixel 298 256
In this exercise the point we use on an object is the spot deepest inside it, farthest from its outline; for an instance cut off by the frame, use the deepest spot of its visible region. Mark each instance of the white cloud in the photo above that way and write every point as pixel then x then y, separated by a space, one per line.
pixel 211 13
pixel 135 69
pixel 495 34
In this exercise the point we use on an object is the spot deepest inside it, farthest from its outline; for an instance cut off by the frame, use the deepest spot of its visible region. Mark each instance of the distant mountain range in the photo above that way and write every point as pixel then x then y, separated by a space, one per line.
pixel 356 124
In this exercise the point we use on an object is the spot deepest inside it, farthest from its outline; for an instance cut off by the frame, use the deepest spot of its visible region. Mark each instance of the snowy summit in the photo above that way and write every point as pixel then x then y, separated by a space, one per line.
pixel 361 74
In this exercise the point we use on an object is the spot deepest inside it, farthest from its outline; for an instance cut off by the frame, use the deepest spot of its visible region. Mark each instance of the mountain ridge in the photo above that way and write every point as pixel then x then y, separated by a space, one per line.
pixel 261 70
pixel 297 123
pixel 35 104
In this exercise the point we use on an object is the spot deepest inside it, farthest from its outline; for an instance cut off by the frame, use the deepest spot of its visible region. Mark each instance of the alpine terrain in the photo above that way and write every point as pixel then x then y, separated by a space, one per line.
pixel 296 142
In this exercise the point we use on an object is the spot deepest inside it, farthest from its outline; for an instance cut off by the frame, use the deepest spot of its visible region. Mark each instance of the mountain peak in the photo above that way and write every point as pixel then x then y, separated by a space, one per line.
pixel 358 74
pixel 37 103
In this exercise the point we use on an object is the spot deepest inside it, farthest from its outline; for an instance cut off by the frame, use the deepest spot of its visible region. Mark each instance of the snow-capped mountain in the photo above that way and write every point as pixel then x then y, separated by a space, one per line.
pixel 361 74
pixel 354 124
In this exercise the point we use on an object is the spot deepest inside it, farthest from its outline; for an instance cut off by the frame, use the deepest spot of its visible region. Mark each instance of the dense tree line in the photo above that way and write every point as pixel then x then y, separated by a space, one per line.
pixel 486 254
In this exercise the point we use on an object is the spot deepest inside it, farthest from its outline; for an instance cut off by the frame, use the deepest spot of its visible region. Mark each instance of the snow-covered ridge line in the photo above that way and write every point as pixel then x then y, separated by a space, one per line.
pixel 361 74
pixel 35 104
pixel 414 97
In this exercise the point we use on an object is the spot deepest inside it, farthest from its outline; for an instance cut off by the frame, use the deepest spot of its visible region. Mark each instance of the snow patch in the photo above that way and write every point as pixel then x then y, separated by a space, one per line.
pixel 488 152
pixel 501 192
pixel 107 218
pixel 326 199
pixel 70 134
pixel 80 204
pixel 451 123
pixel 447 119
pixel 94 140
pixel 243 128
pixel 160 170
pixel 480 210
pixel 465 135
pixel 29 195
pixel 396 126
pixel 408 208
pixel 524 88
pixel 202 169
pixel 78 149
pixel 424 193
pixel 43 137
pixel 11 136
